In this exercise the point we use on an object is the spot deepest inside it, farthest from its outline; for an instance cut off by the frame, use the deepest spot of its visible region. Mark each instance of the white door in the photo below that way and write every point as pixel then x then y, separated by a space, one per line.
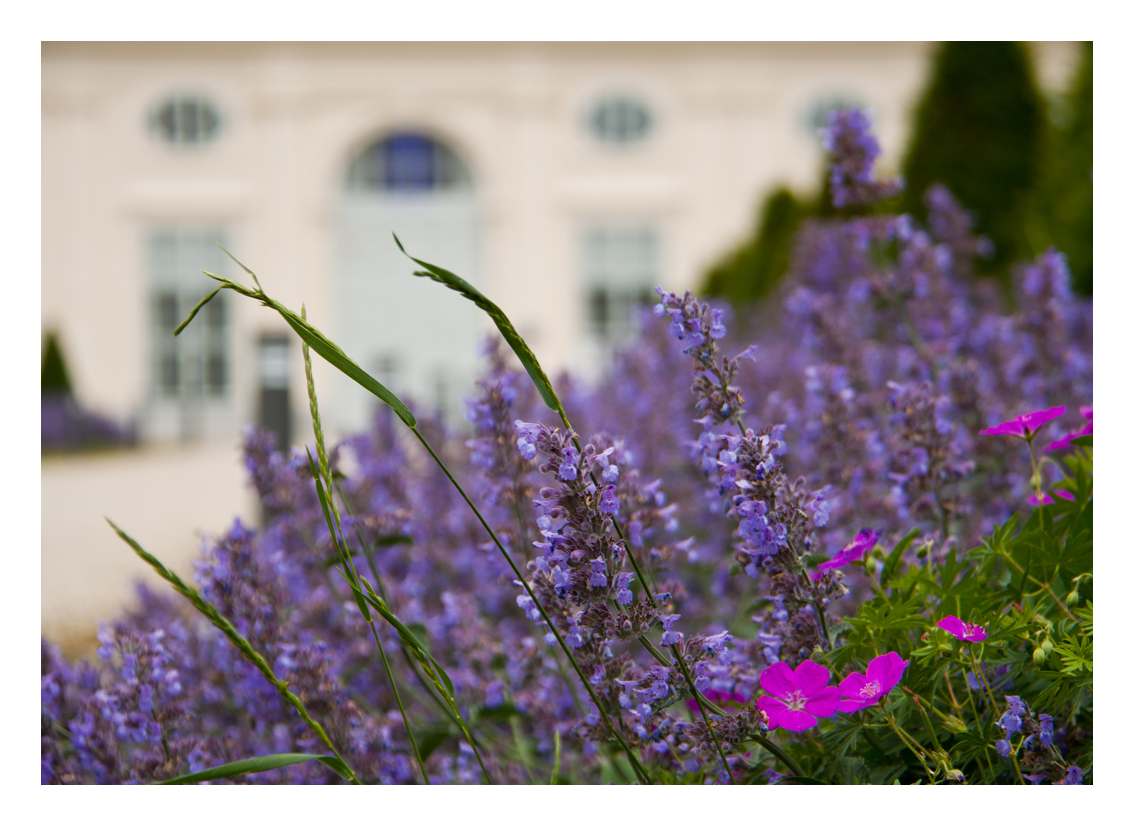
pixel 415 336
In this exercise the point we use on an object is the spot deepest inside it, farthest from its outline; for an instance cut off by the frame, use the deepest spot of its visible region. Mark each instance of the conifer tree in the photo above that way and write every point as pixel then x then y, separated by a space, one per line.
pixel 53 374
pixel 979 129
pixel 1063 215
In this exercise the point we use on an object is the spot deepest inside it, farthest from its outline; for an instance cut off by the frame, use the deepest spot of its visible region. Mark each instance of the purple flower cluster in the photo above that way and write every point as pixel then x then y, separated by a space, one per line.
pixel 854 150
pixel 883 371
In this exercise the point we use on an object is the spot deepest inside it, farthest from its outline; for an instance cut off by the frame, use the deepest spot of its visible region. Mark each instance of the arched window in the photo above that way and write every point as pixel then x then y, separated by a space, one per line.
pixel 407 162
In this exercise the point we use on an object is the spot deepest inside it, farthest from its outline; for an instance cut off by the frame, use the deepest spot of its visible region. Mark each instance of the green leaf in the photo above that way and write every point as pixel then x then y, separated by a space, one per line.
pixel 431 738
pixel 1083 441
pixel 262 764
pixel 321 345
pixel 1076 655
pixel 514 339
pixel 802 779
pixel 852 771
pixel 893 559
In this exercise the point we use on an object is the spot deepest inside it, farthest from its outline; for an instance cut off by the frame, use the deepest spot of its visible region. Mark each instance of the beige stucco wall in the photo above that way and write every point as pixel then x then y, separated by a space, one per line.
pixel 730 124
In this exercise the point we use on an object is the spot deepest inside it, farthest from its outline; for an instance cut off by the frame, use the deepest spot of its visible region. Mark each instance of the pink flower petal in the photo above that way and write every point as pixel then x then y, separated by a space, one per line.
pixel 796 720
pixel 852 685
pixel 886 670
pixel 811 677
pixel 1065 495
pixel 822 704
pixel 773 708
pixel 1086 412
pixel 1034 420
pixel 953 625
pixel 778 680
pixel 1026 424
pixel 976 633
pixel 850 705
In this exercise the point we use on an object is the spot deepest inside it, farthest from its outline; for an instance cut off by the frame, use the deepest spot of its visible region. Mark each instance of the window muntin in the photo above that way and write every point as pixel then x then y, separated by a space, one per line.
pixel 620 120
pixel 621 268
pixel 186 120
pixel 197 362
pixel 407 162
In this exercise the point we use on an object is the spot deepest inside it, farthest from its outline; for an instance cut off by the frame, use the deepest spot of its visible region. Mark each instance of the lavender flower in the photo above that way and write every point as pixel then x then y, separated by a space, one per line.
pixel 853 149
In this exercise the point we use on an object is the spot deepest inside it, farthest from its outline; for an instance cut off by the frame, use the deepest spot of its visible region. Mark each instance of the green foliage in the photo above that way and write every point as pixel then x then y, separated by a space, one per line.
pixel 980 130
pixel 1029 585
pixel 262 764
pixel 754 268
pixel 1062 214
pixel 53 377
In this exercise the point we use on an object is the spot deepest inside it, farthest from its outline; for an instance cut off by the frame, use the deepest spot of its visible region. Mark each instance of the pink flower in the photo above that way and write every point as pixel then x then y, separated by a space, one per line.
pixel 797 699
pixel 716 696
pixel 864 541
pixel 1026 425
pixel 1045 499
pixel 1066 442
pixel 883 674
pixel 962 631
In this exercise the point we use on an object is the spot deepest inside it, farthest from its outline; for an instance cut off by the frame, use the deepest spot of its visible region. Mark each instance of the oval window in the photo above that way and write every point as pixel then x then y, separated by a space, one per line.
pixel 620 120
pixel 186 120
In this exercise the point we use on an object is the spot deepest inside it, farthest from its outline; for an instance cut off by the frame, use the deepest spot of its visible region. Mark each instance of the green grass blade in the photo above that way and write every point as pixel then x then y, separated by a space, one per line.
pixel 196 308
pixel 262 764
pixel 514 339
pixel 556 759
pixel 255 280
pixel 325 348
pixel 417 648
pixel 344 556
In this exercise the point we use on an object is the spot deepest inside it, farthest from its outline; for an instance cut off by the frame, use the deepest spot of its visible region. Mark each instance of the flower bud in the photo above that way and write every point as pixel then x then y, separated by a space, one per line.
pixel 954 724
pixel 1039 656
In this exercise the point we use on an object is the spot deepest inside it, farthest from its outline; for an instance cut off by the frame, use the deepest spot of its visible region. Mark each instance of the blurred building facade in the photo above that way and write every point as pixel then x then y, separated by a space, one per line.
pixel 564 180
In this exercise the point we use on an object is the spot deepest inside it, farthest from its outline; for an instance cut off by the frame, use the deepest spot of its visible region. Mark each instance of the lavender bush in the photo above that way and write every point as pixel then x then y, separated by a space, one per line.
pixel 828 564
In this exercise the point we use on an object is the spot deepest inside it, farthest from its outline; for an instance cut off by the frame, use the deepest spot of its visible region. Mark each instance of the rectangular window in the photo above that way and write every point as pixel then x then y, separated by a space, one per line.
pixel 275 409
pixel 196 363
pixel 621 268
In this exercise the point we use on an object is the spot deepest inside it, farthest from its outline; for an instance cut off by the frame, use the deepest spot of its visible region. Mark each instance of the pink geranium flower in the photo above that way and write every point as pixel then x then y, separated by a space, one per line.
pixel 716 696
pixel 883 674
pixel 1026 425
pixel 1044 499
pixel 1067 441
pixel 961 630
pixel 797 699
pixel 864 541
